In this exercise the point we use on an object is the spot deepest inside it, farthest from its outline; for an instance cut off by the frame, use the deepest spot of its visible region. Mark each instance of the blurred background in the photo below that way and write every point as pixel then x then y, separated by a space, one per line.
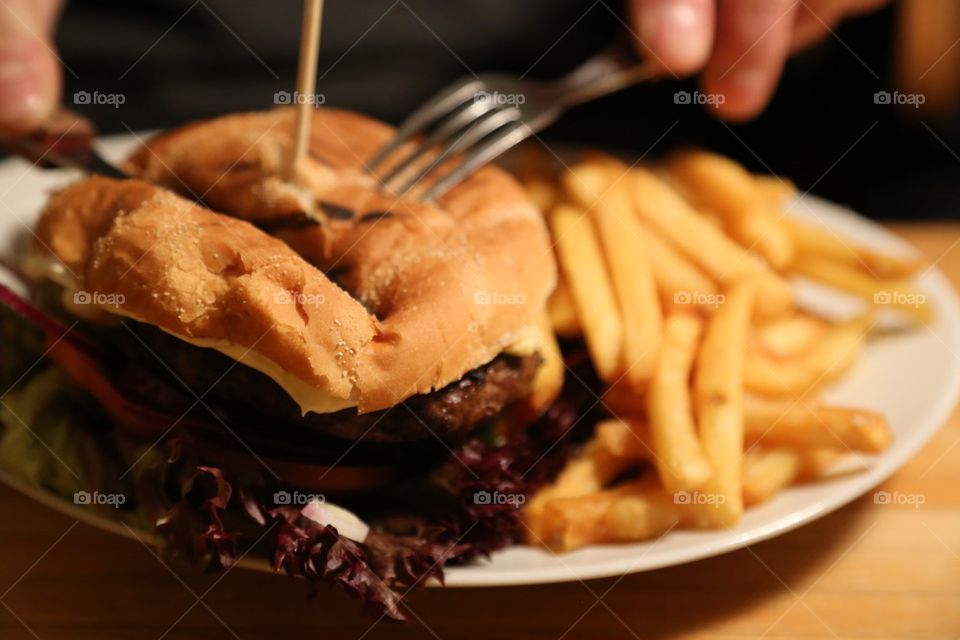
pixel 834 126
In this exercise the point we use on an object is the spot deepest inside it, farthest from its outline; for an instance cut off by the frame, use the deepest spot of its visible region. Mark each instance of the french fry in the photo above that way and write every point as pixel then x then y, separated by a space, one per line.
pixel 636 510
pixel 837 350
pixel 567 523
pixel 818 242
pixel 810 425
pixel 589 472
pixel 549 378
pixel 585 271
pixel 679 458
pixel 776 190
pixel 790 336
pixel 589 181
pixel 816 462
pixel 608 202
pixel 719 256
pixel 767 472
pixel 583 475
pixel 899 295
pixel 719 184
pixel 541 192
pixel 763 232
pixel 628 439
pixel 563 312
pixel 718 398
pixel 680 282
pixel 640 513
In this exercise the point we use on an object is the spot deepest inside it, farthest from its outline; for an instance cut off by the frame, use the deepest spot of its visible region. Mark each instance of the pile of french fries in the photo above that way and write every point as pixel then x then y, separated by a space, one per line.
pixel 676 277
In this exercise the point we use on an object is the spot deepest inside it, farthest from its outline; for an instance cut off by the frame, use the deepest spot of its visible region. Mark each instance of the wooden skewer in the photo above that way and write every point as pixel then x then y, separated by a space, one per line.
pixel 306 81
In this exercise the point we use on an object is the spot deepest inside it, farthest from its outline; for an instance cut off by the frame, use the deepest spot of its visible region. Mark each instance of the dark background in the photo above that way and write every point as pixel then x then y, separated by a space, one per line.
pixel 176 60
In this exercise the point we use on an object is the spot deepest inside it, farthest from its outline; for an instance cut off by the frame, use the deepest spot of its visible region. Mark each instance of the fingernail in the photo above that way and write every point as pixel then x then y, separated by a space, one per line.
pixel 676 33
pixel 21 101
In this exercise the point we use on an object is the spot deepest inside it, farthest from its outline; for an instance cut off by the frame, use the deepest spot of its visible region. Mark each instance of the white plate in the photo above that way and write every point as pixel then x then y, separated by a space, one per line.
pixel 912 377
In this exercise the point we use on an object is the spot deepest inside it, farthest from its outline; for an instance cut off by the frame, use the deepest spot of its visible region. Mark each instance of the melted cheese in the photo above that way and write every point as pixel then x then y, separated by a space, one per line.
pixel 309 397
pixel 525 342
pixel 44 265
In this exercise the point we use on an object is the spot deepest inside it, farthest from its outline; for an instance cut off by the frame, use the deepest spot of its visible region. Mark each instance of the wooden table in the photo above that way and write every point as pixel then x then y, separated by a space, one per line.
pixel 865 571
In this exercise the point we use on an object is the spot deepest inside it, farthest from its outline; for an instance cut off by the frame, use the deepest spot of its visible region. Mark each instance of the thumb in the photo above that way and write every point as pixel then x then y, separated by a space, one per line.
pixel 30 74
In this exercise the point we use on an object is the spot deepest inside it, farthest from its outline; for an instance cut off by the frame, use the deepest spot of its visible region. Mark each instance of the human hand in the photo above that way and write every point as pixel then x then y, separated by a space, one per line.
pixel 739 45
pixel 30 74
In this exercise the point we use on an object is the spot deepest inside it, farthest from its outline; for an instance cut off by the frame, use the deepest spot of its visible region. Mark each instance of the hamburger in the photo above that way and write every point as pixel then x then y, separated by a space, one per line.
pixel 240 339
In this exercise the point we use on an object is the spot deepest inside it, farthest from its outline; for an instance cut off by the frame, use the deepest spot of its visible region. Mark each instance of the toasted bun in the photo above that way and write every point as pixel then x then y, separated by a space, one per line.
pixel 437 290
pixel 207 278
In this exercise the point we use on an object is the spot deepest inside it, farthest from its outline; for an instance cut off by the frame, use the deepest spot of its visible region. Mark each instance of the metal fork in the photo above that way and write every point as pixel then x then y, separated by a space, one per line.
pixel 482 116
pixel 64 141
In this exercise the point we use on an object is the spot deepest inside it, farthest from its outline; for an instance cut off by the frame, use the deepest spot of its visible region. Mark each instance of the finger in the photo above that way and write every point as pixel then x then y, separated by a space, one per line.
pixel 29 70
pixel 752 41
pixel 814 20
pixel 675 35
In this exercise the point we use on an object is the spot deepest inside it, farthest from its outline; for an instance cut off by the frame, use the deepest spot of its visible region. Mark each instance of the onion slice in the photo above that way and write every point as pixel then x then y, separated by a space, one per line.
pixel 347 523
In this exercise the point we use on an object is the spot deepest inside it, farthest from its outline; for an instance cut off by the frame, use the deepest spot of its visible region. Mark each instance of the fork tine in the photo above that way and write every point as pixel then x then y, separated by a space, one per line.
pixel 445 130
pixel 444 102
pixel 510 135
pixel 484 126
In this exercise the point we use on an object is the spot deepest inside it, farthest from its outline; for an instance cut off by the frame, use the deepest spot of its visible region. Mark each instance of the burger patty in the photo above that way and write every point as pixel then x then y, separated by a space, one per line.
pixel 232 389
